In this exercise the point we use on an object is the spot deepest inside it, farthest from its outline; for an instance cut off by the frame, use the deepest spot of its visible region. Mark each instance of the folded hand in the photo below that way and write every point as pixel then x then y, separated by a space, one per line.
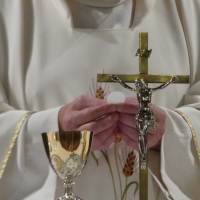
pixel 88 113
pixel 127 128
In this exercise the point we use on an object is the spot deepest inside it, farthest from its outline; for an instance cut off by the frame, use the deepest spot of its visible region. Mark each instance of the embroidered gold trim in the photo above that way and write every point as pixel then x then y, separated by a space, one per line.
pixel 193 132
pixel 13 141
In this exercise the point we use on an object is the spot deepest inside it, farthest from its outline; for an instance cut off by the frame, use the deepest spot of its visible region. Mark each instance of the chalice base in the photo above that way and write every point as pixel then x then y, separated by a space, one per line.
pixel 69 197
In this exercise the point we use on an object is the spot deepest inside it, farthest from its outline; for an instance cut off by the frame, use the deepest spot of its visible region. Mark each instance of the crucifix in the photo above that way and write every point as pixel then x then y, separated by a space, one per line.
pixel 145 116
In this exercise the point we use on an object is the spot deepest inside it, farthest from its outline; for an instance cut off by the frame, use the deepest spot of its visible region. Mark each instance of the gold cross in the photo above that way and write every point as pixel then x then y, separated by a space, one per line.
pixel 143 54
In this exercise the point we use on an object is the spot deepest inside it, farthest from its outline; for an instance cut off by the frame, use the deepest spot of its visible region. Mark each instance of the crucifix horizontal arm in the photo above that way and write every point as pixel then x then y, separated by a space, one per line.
pixel 148 78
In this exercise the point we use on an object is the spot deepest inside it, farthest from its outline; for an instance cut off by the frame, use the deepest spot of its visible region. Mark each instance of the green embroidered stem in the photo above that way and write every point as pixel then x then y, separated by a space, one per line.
pixel 118 169
pixel 128 186
pixel 95 158
pixel 125 187
pixel 108 162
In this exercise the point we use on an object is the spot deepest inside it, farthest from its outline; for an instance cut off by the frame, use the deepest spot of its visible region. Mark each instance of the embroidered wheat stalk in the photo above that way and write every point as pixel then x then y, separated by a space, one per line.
pixel 98 91
pixel 129 168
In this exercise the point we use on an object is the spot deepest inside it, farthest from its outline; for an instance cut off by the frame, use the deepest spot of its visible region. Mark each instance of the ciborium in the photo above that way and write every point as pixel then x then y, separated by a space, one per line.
pixel 68 152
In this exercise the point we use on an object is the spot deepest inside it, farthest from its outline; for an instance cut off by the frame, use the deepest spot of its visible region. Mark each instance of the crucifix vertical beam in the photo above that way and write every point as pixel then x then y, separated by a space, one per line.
pixel 143 60
pixel 143 68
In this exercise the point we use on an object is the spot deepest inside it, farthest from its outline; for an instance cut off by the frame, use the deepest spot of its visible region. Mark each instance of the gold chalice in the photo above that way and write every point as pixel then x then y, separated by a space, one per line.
pixel 67 152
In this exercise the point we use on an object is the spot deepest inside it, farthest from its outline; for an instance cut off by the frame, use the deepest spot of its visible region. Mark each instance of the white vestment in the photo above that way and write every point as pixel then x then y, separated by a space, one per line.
pixel 45 63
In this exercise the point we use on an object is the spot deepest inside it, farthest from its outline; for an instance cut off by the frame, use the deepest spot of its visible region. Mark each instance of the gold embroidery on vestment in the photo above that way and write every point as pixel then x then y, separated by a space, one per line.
pixel 12 143
pixel 192 131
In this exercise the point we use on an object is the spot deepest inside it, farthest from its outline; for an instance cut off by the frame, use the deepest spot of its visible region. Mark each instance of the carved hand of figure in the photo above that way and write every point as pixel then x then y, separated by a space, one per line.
pixel 88 113
pixel 174 79
pixel 127 128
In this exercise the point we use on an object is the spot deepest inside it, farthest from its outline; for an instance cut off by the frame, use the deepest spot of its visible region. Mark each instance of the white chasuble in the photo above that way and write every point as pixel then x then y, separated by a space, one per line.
pixel 48 63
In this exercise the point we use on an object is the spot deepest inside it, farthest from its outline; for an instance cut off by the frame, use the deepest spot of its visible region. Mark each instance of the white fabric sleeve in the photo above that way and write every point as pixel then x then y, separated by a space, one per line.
pixel 27 171
pixel 20 179
pixel 28 155
pixel 179 169
pixel 179 176
pixel 179 161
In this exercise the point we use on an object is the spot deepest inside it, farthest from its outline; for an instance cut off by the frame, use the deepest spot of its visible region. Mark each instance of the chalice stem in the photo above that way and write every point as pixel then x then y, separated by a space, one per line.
pixel 69 195
pixel 68 188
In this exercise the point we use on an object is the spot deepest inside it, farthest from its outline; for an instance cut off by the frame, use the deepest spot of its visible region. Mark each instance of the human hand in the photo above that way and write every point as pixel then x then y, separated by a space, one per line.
pixel 88 113
pixel 127 127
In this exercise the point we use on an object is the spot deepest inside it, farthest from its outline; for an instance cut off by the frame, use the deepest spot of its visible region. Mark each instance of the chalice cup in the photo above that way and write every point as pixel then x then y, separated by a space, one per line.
pixel 68 152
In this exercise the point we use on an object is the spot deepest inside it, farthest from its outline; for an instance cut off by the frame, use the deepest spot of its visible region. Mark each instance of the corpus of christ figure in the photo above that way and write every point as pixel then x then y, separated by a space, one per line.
pixel 145 116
